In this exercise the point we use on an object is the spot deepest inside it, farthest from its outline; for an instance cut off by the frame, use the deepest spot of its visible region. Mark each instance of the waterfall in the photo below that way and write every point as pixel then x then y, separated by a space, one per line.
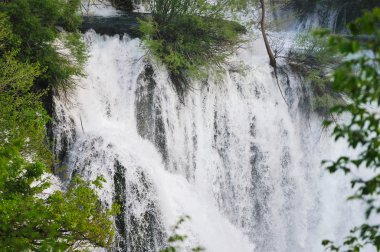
pixel 234 156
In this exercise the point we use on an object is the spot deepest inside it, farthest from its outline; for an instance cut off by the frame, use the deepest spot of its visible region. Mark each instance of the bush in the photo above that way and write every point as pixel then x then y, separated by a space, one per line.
pixel 189 37
pixel 313 60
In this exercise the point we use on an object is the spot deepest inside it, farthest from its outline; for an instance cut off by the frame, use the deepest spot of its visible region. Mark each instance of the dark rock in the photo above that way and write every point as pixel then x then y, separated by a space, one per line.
pixel 150 124
pixel 114 25
pixel 120 199
pixel 125 5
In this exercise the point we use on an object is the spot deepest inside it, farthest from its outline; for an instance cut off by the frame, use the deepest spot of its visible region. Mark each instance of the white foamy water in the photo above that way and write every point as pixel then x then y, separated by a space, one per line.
pixel 234 157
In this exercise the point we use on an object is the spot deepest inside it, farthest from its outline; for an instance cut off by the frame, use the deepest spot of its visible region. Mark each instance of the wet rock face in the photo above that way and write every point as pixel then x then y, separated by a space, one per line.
pixel 122 24
pixel 138 225
pixel 120 199
pixel 125 5
pixel 63 137
pixel 136 230
pixel 332 14
pixel 145 230
pixel 150 123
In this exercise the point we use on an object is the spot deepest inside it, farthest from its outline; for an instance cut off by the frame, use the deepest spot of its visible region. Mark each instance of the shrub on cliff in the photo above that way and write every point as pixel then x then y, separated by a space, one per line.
pixel 314 60
pixel 189 37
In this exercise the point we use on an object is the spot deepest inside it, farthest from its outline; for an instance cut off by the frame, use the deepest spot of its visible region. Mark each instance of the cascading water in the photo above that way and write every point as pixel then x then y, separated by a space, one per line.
pixel 234 156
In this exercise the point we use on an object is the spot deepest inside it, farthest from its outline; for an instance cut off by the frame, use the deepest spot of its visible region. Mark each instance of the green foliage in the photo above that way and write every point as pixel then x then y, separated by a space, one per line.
pixel 82 218
pixel 37 29
pixel 359 77
pixel 189 37
pixel 22 115
pixel 176 239
pixel 31 220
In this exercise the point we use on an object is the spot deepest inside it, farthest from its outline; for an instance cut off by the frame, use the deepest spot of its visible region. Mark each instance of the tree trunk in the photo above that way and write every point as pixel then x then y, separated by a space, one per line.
pixel 272 59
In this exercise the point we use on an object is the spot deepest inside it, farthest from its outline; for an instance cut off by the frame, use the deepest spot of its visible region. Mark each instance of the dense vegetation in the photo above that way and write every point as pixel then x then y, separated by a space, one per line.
pixel 41 30
pixel 189 37
pixel 33 217
pixel 359 77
